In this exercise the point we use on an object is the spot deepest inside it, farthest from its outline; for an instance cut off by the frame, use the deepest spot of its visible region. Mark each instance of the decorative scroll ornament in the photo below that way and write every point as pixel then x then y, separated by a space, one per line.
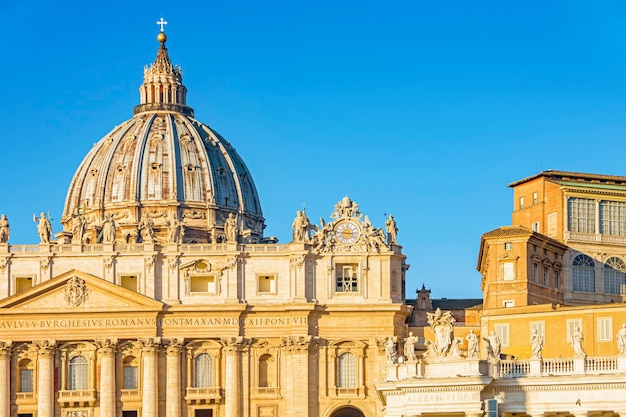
pixel 296 262
pixel 172 262
pixel 3 263
pixel 5 349
pixel 76 292
pixel 44 263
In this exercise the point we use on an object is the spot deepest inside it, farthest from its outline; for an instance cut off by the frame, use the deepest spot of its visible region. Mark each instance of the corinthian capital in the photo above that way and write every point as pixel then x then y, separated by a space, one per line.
pixel 46 347
pixel 296 344
pixel 5 349
pixel 232 344
pixel 106 346
pixel 150 345
pixel 174 346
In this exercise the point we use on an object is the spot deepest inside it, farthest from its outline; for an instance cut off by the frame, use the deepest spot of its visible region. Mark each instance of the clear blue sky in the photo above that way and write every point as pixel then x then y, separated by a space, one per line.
pixel 426 110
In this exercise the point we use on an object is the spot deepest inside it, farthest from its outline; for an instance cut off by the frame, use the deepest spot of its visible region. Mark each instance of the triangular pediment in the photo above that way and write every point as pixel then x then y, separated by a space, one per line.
pixel 78 291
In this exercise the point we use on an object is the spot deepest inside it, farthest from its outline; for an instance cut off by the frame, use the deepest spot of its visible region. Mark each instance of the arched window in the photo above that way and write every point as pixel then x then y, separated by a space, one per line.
pixel 346 371
pixel 267 372
pixel 614 276
pixel 203 371
pixel 583 274
pixel 26 376
pixel 79 373
pixel 131 373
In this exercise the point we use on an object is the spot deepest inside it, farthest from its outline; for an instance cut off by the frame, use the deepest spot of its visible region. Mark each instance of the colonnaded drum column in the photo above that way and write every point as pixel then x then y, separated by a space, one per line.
pixel 45 378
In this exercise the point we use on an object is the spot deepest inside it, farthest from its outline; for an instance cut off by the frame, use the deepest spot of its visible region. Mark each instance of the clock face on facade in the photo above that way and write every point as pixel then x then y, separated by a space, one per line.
pixel 347 233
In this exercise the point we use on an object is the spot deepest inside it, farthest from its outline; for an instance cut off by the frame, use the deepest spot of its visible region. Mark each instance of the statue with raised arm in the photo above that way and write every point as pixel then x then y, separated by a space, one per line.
pixel 146 230
pixel 392 230
pixel 577 343
pixel 5 232
pixel 230 228
pixel 536 345
pixel 621 339
pixel 409 348
pixel 493 346
pixel 44 228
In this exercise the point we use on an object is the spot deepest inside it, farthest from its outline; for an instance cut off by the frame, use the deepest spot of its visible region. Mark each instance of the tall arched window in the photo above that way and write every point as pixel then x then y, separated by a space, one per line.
pixel 131 373
pixel 26 369
pixel 267 371
pixel 346 371
pixel 203 370
pixel 79 373
pixel 583 274
pixel 614 276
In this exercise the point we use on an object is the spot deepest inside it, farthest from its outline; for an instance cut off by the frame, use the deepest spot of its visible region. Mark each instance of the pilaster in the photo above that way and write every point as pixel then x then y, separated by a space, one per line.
pixel 298 348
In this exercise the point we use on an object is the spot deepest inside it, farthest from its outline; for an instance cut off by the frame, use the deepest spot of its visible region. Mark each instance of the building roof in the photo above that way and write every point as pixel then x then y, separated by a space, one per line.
pixel 508 231
pixel 574 176
pixel 452 303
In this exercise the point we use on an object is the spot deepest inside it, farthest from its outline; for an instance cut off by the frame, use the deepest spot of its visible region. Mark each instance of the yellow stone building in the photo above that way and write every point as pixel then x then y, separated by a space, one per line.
pixel 162 298
pixel 549 338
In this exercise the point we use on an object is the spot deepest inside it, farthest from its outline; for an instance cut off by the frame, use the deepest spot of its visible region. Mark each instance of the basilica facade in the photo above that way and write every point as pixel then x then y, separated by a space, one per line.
pixel 161 296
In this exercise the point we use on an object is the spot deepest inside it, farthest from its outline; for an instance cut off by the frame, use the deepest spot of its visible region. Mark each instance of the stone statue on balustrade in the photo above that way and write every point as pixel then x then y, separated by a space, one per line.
pixel 5 232
pixel 230 228
pixel 442 327
pixel 301 227
pixel 472 345
pixel 493 346
pixel 175 230
pixel 621 339
pixel 323 237
pixel 146 229
pixel 536 344
pixel 409 348
pixel 390 351
pixel 577 343
pixel 44 228
pixel 108 230
pixel 77 227
pixel 392 230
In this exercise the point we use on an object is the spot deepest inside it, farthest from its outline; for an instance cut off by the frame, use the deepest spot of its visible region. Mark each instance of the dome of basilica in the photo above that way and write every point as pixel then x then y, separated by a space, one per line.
pixel 162 176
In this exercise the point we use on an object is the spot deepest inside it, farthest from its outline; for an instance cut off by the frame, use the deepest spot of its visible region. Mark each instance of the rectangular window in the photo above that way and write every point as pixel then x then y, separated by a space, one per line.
pixel 572 325
pixel 581 215
pixel 535 273
pixel 130 377
pixel 508 271
pixel 537 227
pixel 521 202
pixel 545 276
pixel 23 283
pixel 508 303
pixel 613 218
pixel 605 329
pixel 557 279
pixel 129 282
pixel 502 331
pixel 535 197
pixel 202 284
pixel 508 246
pixel 267 284
pixel 347 277
pixel 26 380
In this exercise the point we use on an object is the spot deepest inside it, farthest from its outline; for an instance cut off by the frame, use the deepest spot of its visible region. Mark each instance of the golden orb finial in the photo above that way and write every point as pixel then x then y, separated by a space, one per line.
pixel 162 37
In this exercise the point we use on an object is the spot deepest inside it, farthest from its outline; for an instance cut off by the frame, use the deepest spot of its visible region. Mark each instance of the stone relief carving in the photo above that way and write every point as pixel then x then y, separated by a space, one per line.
pixel 108 262
pixel 442 327
pixel 44 263
pixel 149 262
pixel 296 343
pixel 5 349
pixel 346 208
pixel 3 263
pixel 5 231
pixel 194 214
pixel 76 292
pixel 172 262
pixel 146 230
pixel 44 228
pixel 154 213
pixel 77 413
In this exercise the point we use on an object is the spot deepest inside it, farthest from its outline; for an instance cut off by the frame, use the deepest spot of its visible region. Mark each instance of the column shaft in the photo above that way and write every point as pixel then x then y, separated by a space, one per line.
pixel 5 378
pixel 173 384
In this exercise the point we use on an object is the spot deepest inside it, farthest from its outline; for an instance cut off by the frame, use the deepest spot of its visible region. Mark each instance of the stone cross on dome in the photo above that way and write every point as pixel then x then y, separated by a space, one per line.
pixel 161 23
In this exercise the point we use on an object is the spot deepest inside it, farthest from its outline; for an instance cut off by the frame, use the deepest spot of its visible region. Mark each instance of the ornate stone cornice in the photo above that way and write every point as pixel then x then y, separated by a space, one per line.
pixel 5 349
pixel 106 347
pixel 296 344
pixel 46 347
pixel 150 345
pixel 174 346
pixel 233 344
